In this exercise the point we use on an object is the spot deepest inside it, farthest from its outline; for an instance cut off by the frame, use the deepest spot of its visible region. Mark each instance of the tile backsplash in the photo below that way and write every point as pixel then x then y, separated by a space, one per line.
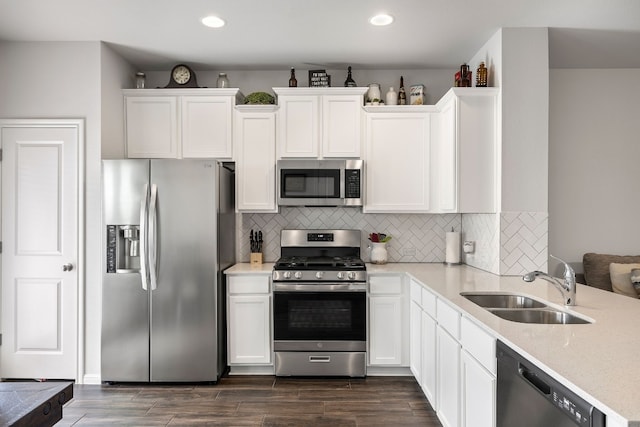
pixel 415 237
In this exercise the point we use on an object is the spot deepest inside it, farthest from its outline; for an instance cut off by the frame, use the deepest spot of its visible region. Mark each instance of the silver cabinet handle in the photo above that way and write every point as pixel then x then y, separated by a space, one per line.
pixel 67 267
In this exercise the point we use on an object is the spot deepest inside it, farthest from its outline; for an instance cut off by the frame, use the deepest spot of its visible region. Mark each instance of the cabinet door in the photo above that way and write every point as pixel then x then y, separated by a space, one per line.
pixel 255 135
pixel 385 330
pixel 428 380
pixel 206 126
pixel 447 158
pixel 249 329
pixel 478 394
pixel 397 162
pixel 152 127
pixel 415 343
pixel 448 382
pixel 298 126
pixel 341 125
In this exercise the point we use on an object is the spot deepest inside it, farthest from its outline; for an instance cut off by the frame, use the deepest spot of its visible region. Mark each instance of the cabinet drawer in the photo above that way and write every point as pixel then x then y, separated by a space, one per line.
pixel 416 292
pixel 479 344
pixel 429 302
pixel 448 318
pixel 248 285
pixel 388 285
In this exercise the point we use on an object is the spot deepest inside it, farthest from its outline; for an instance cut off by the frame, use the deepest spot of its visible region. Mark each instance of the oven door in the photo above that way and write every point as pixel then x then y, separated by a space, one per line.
pixel 319 320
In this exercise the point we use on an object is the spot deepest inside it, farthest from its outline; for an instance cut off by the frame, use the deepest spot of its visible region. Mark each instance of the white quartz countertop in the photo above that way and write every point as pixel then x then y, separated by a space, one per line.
pixel 598 361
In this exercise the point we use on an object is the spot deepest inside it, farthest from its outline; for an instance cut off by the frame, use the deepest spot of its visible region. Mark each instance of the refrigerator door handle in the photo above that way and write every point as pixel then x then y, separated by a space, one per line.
pixel 143 237
pixel 153 237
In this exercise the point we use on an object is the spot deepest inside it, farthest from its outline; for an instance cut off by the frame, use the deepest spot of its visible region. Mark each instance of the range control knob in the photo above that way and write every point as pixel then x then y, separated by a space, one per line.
pixel 286 275
pixel 340 275
pixel 351 275
pixel 319 274
pixel 298 275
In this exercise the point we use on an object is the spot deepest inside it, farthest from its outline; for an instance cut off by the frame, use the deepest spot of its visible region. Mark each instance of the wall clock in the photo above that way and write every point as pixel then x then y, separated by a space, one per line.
pixel 182 76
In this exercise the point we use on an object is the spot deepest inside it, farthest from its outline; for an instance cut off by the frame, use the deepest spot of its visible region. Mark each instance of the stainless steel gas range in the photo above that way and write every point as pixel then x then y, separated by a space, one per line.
pixel 320 304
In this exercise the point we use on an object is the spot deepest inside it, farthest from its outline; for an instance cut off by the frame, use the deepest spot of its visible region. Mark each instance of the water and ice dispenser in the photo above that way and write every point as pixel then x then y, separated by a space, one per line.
pixel 123 249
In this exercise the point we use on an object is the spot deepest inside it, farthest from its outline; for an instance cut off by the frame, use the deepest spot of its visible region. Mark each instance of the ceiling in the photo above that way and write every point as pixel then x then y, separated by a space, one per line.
pixel 275 34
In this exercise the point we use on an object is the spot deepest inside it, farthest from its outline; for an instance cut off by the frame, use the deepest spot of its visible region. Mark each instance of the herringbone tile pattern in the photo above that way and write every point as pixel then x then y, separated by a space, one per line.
pixel 524 242
pixel 416 237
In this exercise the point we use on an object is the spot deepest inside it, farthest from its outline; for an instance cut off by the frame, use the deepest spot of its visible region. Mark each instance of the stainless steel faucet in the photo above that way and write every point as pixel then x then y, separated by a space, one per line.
pixel 567 287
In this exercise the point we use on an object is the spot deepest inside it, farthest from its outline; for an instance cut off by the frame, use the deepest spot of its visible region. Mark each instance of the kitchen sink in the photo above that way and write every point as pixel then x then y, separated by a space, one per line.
pixel 489 300
pixel 544 316
pixel 522 309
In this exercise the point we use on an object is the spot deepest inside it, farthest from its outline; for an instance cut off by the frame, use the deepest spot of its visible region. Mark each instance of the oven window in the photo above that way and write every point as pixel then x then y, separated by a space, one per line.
pixel 320 316
pixel 310 183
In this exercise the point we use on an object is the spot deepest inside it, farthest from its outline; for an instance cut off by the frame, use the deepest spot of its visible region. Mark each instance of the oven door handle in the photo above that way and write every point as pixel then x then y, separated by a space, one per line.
pixel 320 287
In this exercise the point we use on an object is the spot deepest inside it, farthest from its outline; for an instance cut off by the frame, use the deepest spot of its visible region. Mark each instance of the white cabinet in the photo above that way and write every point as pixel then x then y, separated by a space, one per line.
pixel 179 123
pixel 423 355
pixel 429 347
pixel 478 376
pixel 151 124
pixel 319 122
pixel 388 321
pixel 255 142
pixel 465 150
pixel 397 159
pixel 249 320
pixel 448 364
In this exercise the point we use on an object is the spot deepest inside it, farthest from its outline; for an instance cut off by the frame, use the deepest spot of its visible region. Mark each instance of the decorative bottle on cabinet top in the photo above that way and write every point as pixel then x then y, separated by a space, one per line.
pixel 481 75
pixel 402 95
pixel 293 82
pixel 349 82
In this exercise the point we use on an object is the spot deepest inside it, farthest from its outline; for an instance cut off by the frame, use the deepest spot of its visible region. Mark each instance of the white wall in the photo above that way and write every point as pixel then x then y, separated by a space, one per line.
pixel 525 117
pixel 594 163
pixel 65 80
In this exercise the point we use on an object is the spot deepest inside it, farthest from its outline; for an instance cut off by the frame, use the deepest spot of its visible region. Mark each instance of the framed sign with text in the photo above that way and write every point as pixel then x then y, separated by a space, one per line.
pixel 319 78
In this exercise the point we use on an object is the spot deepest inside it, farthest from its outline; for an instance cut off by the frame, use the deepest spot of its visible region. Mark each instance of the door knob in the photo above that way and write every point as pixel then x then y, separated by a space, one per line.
pixel 67 267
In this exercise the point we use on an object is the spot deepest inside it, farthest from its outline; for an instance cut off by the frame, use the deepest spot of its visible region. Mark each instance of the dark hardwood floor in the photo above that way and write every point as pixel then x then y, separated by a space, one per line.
pixel 254 401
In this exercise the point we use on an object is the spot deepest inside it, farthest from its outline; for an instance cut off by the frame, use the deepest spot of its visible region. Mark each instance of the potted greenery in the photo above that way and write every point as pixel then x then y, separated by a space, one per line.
pixel 259 98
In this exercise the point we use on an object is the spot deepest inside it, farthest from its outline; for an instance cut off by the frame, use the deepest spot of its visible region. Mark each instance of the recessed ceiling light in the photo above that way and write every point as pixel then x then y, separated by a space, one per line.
pixel 213 21
pixel 381 19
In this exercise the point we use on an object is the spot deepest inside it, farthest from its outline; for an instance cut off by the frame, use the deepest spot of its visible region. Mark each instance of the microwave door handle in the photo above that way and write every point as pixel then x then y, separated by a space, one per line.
pixel 342 178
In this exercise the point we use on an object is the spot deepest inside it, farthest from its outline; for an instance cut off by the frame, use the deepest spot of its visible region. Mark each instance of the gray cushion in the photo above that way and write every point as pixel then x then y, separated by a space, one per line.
pixel 596 268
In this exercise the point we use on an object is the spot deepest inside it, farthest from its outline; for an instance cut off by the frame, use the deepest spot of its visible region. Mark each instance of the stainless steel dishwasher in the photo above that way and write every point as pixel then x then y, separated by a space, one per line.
pixel 528 397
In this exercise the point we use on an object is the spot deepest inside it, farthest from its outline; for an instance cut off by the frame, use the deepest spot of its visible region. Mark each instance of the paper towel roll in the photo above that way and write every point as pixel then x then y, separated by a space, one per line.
pixel 452 253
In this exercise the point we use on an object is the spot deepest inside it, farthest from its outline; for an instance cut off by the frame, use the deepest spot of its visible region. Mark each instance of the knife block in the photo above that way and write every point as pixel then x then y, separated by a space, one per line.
pixel 256 258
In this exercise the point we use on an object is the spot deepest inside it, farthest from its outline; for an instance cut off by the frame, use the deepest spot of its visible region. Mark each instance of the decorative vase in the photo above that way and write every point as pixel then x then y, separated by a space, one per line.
pixel 373 92
pixel 379 253
pixel 392 97
pixel 223 80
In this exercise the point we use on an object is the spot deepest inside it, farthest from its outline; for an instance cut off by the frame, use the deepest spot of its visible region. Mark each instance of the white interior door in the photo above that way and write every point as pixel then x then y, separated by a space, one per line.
pixel 40 250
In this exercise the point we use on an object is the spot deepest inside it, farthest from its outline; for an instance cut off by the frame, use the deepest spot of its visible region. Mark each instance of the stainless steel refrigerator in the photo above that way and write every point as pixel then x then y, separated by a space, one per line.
pixel 169 232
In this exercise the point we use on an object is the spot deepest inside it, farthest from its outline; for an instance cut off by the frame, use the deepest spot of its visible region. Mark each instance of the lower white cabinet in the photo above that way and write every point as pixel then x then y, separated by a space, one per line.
pixel 429 358
pixel 453 360
pixel 478 393
pixel 249 320
pixel 478 375
pixel 388 321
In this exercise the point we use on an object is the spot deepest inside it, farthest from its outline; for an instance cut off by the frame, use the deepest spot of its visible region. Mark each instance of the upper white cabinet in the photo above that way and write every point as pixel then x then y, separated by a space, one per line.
pixel 397 159
pixel 465 152
pixel 255 142
pixel 319 122
pixel 179 123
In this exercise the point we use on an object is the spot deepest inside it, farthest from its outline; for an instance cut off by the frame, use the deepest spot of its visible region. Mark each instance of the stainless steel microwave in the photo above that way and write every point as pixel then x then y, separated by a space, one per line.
pixel 320 182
